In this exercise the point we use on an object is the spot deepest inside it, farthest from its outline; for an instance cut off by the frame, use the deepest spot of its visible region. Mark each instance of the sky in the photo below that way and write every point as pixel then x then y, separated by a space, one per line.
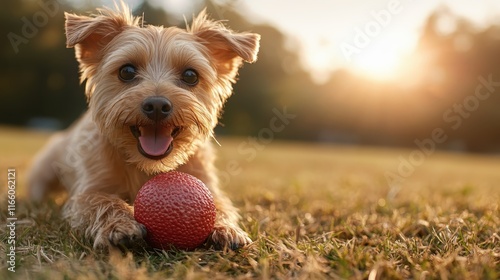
pixel 369 36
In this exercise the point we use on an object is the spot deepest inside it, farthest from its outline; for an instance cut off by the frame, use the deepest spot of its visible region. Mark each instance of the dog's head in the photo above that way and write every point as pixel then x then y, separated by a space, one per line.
pixel 156 93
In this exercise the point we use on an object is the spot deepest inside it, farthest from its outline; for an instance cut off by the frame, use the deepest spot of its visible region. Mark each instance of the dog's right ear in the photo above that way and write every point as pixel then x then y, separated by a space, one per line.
pixel 89 35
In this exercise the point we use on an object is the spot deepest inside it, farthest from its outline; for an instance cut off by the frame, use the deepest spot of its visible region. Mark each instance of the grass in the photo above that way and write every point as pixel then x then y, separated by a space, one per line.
pixel 314 212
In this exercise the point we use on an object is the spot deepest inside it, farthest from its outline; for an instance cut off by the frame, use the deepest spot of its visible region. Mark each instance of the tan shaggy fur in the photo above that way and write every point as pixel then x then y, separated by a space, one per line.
pixel 98 160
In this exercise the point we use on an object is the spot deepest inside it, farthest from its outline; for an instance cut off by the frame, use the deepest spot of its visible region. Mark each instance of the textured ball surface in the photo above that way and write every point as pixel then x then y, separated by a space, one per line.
pixel 177 210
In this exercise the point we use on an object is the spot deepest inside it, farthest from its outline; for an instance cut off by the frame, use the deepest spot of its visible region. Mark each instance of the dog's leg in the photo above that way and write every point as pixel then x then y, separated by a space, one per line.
pixel 104 218
pixel 43 177
pixel 227 234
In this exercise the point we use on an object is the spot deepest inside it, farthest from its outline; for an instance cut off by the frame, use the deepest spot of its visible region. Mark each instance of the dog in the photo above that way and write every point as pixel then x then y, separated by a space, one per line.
pixel 155 95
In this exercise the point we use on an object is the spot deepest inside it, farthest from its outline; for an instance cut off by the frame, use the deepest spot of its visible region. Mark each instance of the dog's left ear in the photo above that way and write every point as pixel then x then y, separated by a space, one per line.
pixel 227 47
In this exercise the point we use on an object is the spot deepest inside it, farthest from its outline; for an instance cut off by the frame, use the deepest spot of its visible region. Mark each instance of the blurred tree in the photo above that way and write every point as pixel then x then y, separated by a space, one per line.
pixel 436 90
pixel 38 74
pixel 40 79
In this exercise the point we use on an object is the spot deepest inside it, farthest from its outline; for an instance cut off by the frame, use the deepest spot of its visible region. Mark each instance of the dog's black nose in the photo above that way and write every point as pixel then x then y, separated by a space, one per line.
pixel 156 108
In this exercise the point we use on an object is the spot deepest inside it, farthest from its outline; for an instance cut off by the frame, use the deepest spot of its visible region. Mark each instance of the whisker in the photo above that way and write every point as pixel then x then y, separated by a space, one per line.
pixel 118 116
pixel 125 121
pixel 213 137
pixel 182 117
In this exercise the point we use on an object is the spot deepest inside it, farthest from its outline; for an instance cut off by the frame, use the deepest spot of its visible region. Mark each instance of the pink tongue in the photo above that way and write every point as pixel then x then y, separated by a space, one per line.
pixel 155 140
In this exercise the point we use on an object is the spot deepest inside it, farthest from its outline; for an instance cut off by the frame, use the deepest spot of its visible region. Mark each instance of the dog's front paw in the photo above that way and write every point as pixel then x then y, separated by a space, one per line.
pixel 123 233
pixel 228 237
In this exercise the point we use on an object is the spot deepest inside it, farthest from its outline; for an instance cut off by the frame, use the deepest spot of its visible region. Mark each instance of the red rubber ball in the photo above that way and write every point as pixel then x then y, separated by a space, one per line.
pixel 177 210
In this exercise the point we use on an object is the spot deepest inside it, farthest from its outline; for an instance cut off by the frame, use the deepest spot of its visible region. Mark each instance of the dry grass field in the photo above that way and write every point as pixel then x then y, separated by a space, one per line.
pixel 314 212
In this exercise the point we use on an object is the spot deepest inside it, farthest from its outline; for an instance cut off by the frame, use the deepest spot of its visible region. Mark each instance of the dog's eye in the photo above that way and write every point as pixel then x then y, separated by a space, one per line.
pixel 127 73
pixel 190 77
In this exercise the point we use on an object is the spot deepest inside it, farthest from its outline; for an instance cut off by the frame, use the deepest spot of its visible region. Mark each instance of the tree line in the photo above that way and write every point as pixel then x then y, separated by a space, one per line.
pixel 450 83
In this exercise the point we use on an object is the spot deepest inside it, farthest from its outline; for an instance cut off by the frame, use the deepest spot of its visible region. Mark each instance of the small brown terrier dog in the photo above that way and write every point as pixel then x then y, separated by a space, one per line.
pixel 155 95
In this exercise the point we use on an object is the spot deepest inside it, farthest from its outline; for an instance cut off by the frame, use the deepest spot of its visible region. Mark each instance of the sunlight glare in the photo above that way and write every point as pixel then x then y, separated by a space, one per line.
pixel 385 59
pixel 320 65
pixel 381 64
pixel 382 60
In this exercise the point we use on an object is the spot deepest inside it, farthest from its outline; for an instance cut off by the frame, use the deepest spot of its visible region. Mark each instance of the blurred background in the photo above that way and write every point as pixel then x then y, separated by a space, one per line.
pixel 359 72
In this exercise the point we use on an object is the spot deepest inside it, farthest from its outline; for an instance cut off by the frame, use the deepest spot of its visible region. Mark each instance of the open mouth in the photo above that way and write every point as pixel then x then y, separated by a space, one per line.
pixel 155 141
